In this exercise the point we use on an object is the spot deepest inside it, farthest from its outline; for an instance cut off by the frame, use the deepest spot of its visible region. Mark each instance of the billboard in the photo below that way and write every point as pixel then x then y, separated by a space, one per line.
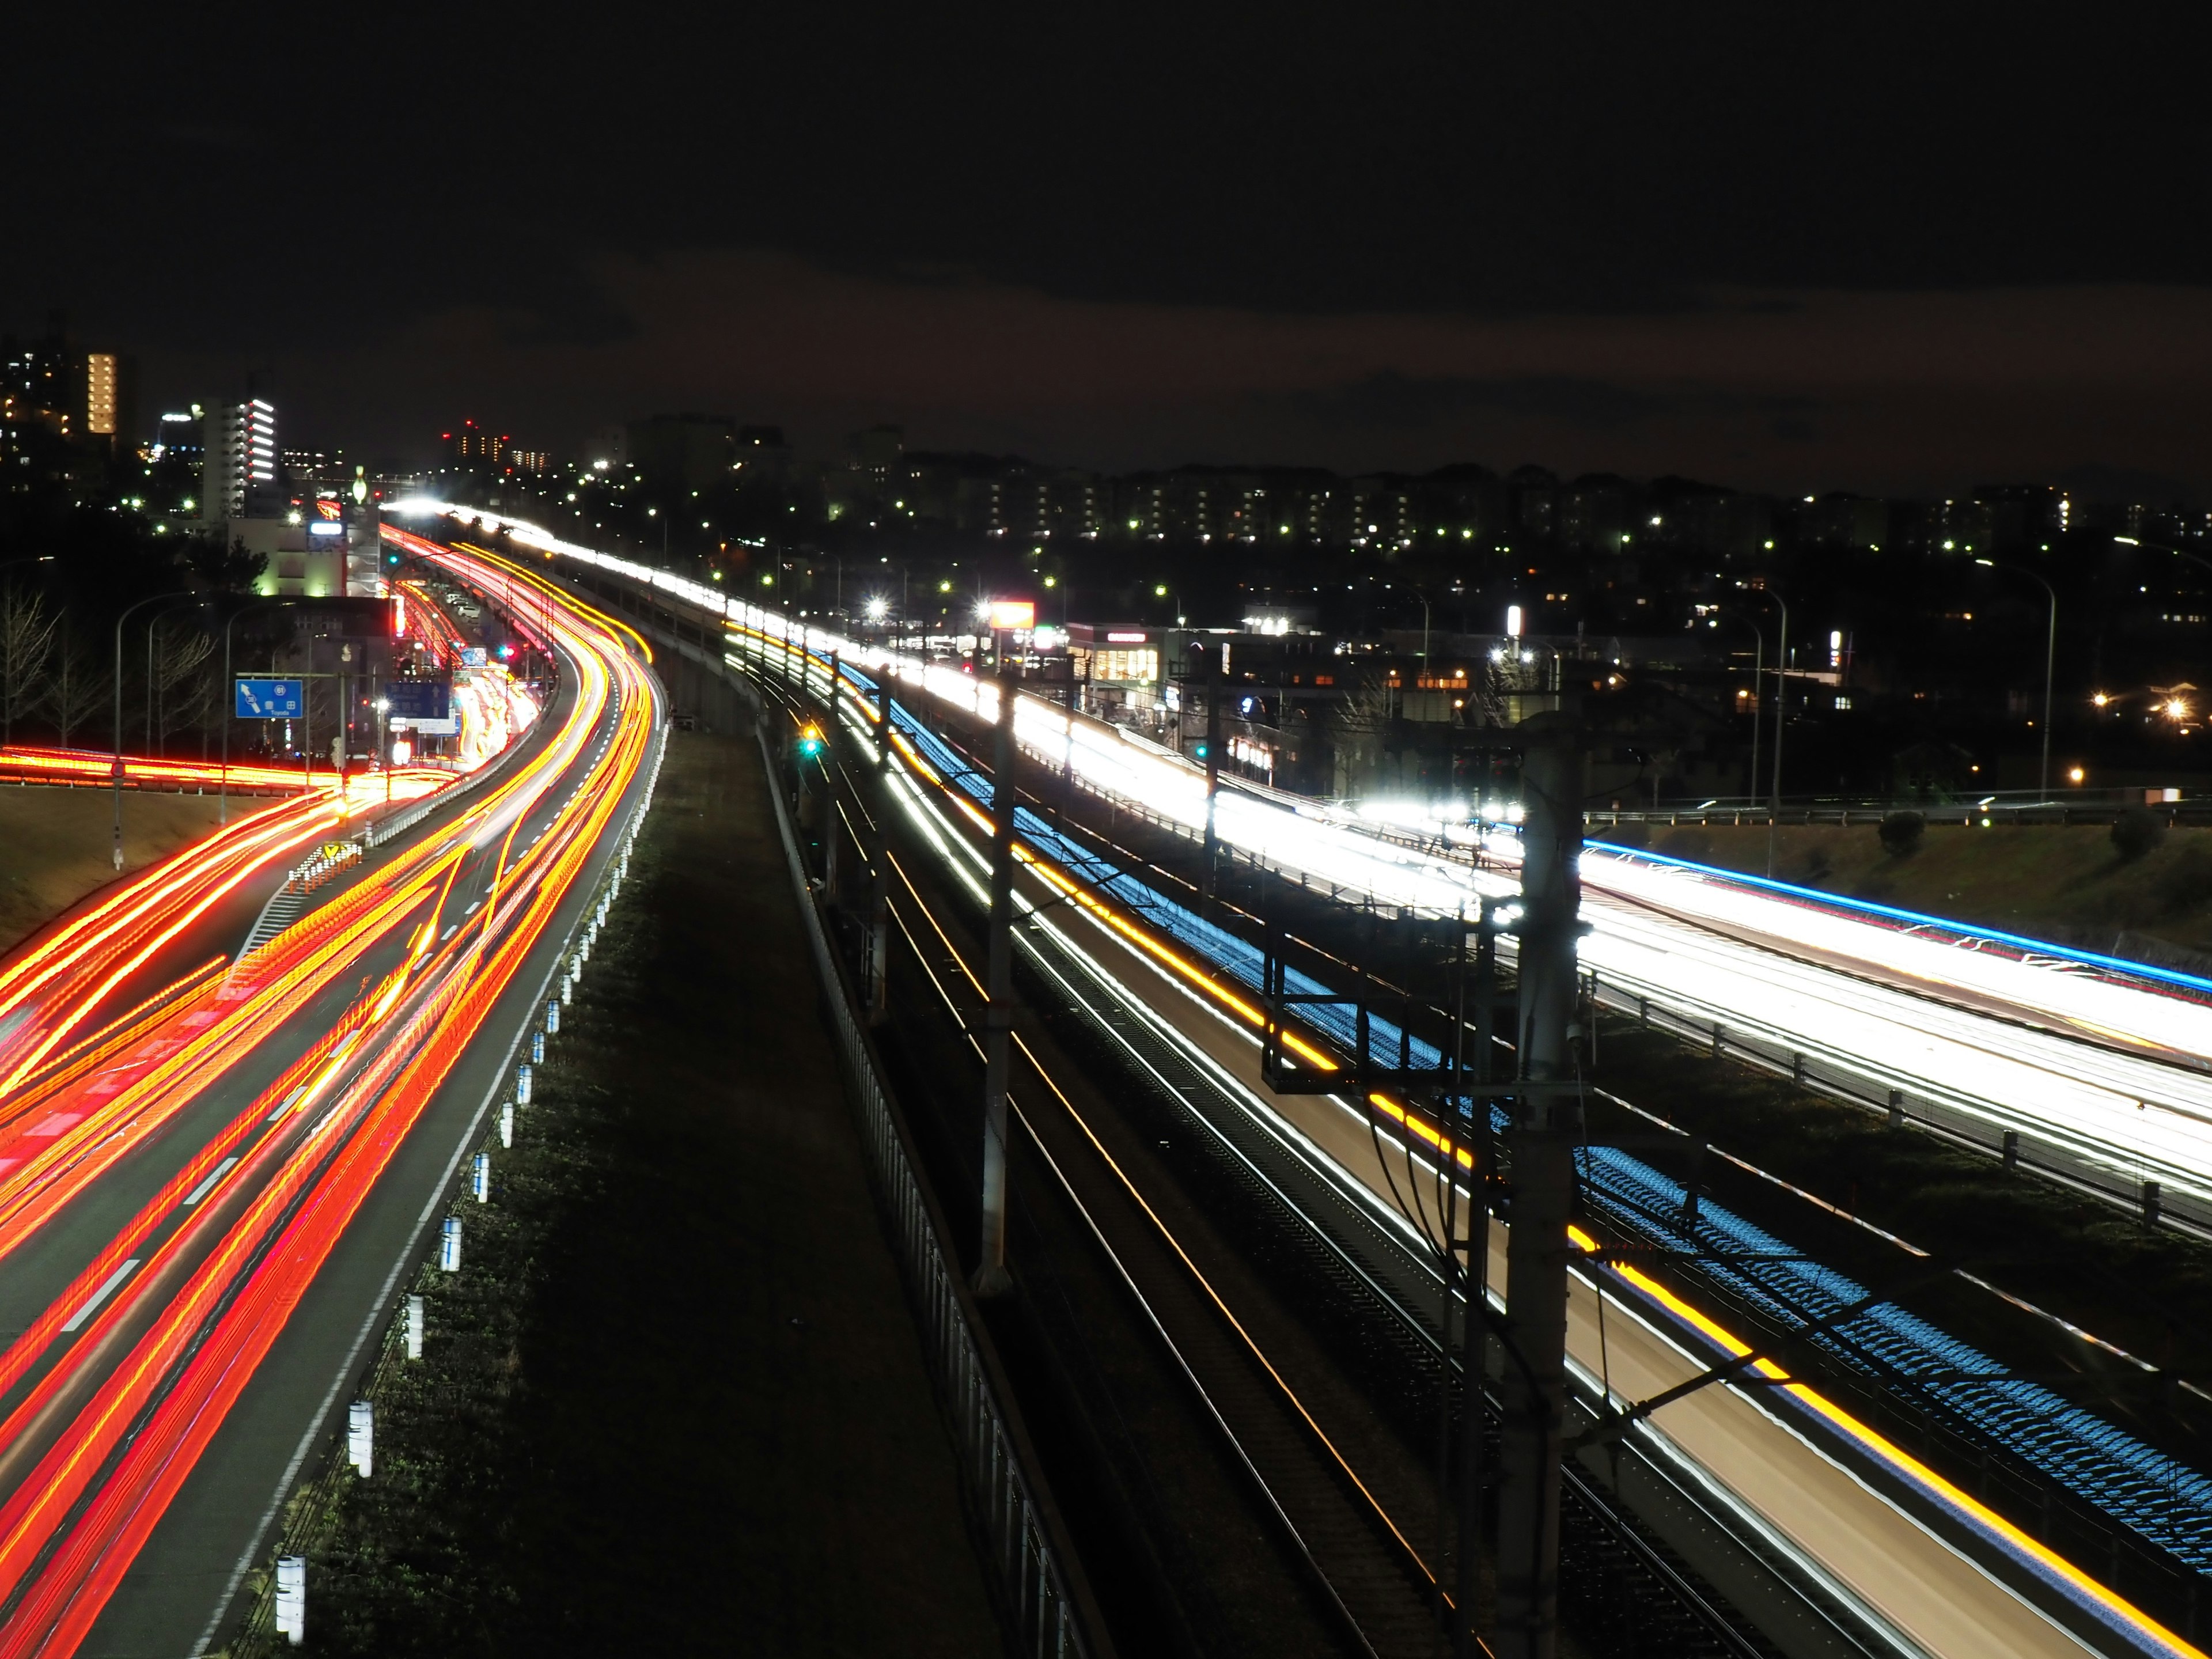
pixel 1013 613
pixel 266 700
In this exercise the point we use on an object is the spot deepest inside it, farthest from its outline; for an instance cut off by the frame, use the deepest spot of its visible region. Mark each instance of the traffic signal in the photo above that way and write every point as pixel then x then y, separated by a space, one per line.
pixel 1198 750
pixel 809 741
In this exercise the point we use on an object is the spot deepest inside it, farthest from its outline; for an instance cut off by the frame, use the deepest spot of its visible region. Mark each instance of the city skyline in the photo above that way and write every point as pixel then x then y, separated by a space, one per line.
pixel 1900 258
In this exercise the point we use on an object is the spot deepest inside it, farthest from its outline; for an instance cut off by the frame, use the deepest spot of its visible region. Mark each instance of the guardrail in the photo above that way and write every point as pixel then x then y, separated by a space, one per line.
pixel 1046 1609
pixel 1868 815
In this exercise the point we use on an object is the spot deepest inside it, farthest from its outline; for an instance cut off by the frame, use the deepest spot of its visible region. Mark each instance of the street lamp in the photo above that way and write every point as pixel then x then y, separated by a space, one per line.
pixel 151 598
pixel 1757 693
pixel 229 702
pixel 2050 661
pixel 1781 715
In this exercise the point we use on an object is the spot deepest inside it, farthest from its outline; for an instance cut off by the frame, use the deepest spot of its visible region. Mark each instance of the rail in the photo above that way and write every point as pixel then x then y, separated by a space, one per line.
pixel 1045 1613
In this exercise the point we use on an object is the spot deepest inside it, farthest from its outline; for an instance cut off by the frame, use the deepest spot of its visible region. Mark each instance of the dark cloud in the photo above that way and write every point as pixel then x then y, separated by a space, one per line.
pixel 267 186
pixel 1397 402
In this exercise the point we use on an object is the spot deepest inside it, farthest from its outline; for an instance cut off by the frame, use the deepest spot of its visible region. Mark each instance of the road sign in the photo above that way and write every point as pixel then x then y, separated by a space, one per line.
pixel 419 700
pixel 268 700
pixel 472 656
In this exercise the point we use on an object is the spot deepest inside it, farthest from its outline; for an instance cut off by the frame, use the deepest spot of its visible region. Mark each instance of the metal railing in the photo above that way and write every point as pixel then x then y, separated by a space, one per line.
pixel 1046 1610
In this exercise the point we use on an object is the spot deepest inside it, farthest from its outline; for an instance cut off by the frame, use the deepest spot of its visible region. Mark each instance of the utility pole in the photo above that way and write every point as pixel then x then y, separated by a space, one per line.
pixel 1212 773
pixel 1548 1126
pixel 991 1276
pixel 1781 724
pixel 1475 1076
pixel 879 890
pixel 830 833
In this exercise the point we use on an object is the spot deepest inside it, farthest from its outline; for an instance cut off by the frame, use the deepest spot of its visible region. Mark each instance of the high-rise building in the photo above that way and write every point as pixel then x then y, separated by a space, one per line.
pixel 52 386
pixel 241 470
pixel 103 394
pixel 472 449
pixel 688 451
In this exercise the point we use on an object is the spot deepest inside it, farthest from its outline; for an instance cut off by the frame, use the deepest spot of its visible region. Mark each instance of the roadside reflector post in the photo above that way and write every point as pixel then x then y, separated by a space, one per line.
pixel 292 1598
pixel 360 1438
pixel 418 1323
pixel 480 1178
pixel 506 1123
pixel 449 1245
pixel 538 1047
pixel 553 1016
pixel 522 1076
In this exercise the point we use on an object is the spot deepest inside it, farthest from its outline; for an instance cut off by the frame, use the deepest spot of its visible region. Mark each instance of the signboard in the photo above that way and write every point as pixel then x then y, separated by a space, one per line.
pixel 448 727
pixel 1013 613
pixel 419 700
pixel 472 656
pixel 268 700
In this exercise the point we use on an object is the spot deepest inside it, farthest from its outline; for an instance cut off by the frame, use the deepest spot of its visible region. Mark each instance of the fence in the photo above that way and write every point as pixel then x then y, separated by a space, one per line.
pixel 1046 1609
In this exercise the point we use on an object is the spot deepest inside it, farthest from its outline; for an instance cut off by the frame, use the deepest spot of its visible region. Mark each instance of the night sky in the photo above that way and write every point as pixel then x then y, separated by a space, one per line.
pixel 1889 247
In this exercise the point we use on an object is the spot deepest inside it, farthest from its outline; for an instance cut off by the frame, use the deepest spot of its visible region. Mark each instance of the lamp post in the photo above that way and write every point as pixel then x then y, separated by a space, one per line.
pixel 1757 697
pixel 1781 715
pixel 151 598
pixel 152 625
pixel 2050 661
pixel 229 709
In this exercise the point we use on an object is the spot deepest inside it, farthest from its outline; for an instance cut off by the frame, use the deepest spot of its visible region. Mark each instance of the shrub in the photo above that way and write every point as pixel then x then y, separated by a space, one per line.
pixel 1901 833
pixel 2136 831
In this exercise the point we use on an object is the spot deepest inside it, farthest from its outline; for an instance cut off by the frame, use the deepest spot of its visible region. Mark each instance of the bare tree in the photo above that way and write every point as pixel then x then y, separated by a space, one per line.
pixel 76 690
pixel 182 684
pixel 27 641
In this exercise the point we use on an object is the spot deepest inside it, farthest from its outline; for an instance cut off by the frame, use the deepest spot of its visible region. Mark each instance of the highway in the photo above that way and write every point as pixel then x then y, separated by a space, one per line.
pixel 1920 1564
pixel 204 1211
pixel 2095 1066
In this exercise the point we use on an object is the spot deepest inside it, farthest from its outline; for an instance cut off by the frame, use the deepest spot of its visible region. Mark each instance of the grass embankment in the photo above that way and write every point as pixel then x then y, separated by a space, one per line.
pixel 55 845
pixel 673 1401
pixel 2062 882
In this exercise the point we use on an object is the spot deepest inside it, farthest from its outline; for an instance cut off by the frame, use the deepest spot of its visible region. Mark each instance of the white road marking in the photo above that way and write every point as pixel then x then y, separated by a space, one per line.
pixel 207 1185
pixel 107 1289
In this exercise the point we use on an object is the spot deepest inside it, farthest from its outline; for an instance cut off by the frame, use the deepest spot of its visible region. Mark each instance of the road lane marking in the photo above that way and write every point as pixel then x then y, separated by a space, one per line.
pixel 107 1289
pixel 56 1122
pixel 207 1185
pixel 290 1101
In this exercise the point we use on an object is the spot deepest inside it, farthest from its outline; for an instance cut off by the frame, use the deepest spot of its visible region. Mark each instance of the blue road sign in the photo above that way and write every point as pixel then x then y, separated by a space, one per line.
pixel 419 700
pixel 268 700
